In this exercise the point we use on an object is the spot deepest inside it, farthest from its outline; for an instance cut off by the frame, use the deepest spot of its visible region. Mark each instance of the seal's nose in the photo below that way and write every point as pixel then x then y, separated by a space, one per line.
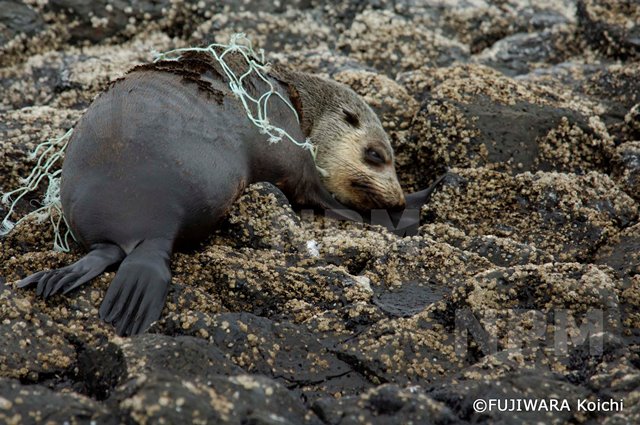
pixel 402 203
pixel 399 205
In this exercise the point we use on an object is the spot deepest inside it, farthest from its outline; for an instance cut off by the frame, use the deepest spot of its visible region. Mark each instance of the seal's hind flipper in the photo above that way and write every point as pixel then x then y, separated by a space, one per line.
pixel 70 277
pixel 136 296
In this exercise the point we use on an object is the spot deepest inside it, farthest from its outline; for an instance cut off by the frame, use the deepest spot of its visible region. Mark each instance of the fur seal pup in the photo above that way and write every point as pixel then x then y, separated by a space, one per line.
pixel 158 159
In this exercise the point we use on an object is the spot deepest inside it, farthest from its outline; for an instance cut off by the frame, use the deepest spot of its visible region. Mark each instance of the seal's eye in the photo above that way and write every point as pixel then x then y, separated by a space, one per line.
pixel 372 156
pixel 351 118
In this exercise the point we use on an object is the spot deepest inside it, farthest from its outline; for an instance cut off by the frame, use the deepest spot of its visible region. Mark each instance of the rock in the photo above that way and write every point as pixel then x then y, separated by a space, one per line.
pixel 322 61
pixel 226 400
pixel 17 18
pixel 566 215
pixel 20 24
pixel 601 372
pixel 500 251
pixel 94 22
pixel 386 404
pixel 519 53
pixel 616 87
pixel 24 130
pixel 283 351
pixel 38 404
pixel 549 316
pixel 97 20
pixel 341 14
pixel 409 298
pixel 609 91
pixel 72 78
pixel 611 27
pixel 33 345
pixel 549 288
pixel 36 82
pixel 387 42
pixel 289 31
pixel 630 301
pixel 183 357
pixel 461 123
pixel 517 310
pixel 354 249
pixel 99 369
pixel 460 396
pixel 622 253
pixel 435 263
pixel 632 120
pixel 262 218
pixel 262 282
pixel 481 24
pixel 481 27
pixel 626 168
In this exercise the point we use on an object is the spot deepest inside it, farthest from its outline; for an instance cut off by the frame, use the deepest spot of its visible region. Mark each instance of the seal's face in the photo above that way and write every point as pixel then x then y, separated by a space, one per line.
pixel 358 158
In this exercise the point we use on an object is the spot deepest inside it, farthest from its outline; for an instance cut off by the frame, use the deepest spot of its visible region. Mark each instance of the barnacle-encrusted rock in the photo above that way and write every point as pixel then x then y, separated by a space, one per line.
pixel 522 282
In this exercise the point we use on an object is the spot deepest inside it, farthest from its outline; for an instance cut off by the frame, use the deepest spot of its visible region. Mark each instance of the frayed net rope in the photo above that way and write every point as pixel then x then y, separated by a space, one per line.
pixel 45 169
pixel 239 43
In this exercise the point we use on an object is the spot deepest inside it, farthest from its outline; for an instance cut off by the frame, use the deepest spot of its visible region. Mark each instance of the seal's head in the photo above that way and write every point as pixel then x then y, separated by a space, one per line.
pixel 354 154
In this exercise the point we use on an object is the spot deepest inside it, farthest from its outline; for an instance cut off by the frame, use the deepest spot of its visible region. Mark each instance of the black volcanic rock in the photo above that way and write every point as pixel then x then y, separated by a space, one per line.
pixel 523 280
pixel 613 27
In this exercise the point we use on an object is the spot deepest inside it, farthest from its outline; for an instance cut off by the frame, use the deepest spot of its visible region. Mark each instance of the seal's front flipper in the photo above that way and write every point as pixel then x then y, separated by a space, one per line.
pixel 406 222
pixel 418 199
pixel 137 294
pixel 68 278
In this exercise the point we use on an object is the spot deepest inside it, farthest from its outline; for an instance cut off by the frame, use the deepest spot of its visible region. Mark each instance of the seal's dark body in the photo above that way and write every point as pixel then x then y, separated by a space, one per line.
pixel 159 157
pixel 157 161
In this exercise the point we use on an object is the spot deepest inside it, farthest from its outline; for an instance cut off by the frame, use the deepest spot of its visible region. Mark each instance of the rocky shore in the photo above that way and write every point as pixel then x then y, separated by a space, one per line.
pixel 524 280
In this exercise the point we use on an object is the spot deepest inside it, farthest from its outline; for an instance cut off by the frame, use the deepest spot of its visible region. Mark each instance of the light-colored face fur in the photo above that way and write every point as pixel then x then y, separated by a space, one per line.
pixel 355 152
pixel 353 149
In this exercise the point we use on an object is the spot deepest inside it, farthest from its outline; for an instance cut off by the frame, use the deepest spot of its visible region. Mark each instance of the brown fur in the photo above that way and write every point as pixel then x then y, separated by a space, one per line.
pixel 323 106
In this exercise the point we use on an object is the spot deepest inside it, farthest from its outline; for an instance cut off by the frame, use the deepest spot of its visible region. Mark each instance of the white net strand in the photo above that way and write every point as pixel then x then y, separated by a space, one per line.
pixel 44 169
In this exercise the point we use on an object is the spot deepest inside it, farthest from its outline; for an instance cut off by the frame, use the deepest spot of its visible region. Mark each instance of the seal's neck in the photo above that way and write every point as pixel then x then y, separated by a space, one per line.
pixel 310 95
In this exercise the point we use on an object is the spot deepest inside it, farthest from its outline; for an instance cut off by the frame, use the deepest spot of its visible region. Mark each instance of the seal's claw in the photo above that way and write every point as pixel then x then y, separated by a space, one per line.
pixel 151 310
pixel 137 294
pixel 70 285
pixel 50 282
pixel 53 281
pixel 31 279
pixel 134 300
pixel 63 279
pixel 44 281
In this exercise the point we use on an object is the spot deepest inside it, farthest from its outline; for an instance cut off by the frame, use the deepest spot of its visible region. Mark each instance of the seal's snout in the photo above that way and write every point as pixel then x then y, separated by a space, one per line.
pixel 402 204
pixel 397 201
pixel 397 208
pixel 387 194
